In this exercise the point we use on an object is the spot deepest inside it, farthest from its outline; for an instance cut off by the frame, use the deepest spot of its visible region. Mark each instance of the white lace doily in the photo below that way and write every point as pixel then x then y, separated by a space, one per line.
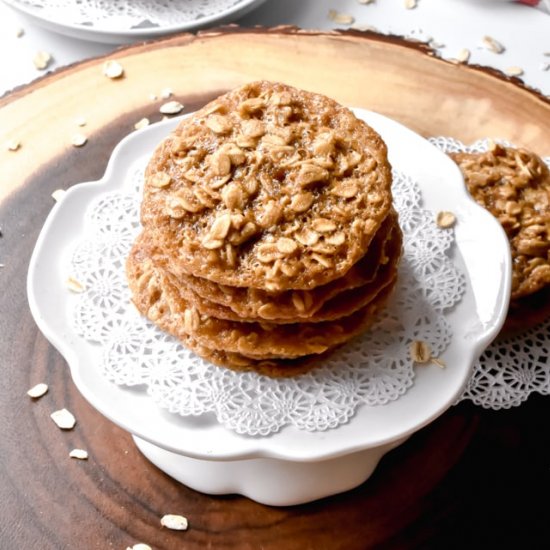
pixel 373 369
pixel 122 15
pixel 513 367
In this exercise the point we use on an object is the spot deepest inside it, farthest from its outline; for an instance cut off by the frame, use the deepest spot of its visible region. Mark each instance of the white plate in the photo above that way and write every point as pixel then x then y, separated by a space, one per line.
pixel 197 445
pixel 102 29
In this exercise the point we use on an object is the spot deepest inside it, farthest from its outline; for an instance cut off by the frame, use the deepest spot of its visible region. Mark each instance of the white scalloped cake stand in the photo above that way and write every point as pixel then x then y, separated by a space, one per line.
pixel 291 466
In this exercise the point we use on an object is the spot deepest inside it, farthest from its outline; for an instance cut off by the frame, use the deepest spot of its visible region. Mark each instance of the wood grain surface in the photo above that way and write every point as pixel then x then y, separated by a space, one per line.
pixel 470 479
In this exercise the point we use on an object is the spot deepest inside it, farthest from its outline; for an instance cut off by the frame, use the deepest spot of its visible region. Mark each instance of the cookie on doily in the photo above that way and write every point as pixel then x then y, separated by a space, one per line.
pixel 269 233
pixel 514 185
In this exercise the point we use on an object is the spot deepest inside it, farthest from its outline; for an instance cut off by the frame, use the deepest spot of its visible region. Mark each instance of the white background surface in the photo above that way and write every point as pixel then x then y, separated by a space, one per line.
pixel 457 24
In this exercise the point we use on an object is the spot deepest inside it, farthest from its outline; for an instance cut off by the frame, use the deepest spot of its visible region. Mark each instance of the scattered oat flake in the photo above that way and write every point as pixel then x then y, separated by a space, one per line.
pixel 14 145
pixel 139 546
pixel 366 1
pixel 514 71
pixel 153 97
pixel 171 108
pixel 421 353
pixel 544 66
pixel 363 28
pixel 74 286
pixel 411 4
pixel 435 44
pixel 19 32
pixel 112 69
pixel 144 122
pixel 166 93
pixel 38 391
pixel 78 140
pixel 491 44
pixel 445 219
pixel 80 121
pixel 58 194
pixel 172 521
pixel 79 454
pixel 64 419
pixel 463 55
pixel 41 60
pixel 341 18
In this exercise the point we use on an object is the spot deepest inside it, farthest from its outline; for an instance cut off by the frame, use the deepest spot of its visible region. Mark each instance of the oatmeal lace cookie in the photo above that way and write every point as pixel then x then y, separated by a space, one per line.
pixel 283 306
pixel 514 185
pixel 341 300
pixel 156 297
pixel 267 187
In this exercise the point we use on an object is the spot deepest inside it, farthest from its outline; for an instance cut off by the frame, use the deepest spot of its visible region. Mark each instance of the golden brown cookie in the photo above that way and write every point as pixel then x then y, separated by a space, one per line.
pixel 158 299
pixel 514 185
pixel 275 368
pixel 238 303
pixel 267 187
pixel 341 304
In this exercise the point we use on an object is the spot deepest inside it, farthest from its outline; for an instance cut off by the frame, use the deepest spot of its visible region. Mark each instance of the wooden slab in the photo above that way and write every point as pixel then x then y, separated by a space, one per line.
pixel 116 498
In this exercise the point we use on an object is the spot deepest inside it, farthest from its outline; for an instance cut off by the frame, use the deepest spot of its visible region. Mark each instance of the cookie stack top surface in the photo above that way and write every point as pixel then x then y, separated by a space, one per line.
pixel 267 187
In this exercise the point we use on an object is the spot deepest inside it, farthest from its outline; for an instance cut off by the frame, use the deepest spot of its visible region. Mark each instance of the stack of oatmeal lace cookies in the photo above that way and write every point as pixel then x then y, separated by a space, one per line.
pixel 514 185
pixel 269 236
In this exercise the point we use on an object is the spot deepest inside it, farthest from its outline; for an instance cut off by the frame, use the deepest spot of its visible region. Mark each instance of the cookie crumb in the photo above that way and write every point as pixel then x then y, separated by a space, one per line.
pixel 514 71
pixel 113 69
pixel 434 44
pixel 42 60
pixel 411 4
pixel 79 454
pixel 174 522
pixel 463 55
pixel 38 391
pixel 143 123
pixel 14 145
pixel 171 108
pixel 58 194
pixel 421 353
pixel 74 286
pixel 63 419
pixel 78 140
pixel 363 28
pixel 445 219
pixel 341 18
pixel 492 44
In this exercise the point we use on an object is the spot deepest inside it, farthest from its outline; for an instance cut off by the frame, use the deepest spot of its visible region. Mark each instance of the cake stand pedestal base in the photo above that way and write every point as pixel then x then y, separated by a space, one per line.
pixel 269 480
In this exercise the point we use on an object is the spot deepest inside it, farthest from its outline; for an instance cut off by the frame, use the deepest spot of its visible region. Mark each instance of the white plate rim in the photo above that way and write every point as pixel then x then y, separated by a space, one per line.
pixel 116 36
